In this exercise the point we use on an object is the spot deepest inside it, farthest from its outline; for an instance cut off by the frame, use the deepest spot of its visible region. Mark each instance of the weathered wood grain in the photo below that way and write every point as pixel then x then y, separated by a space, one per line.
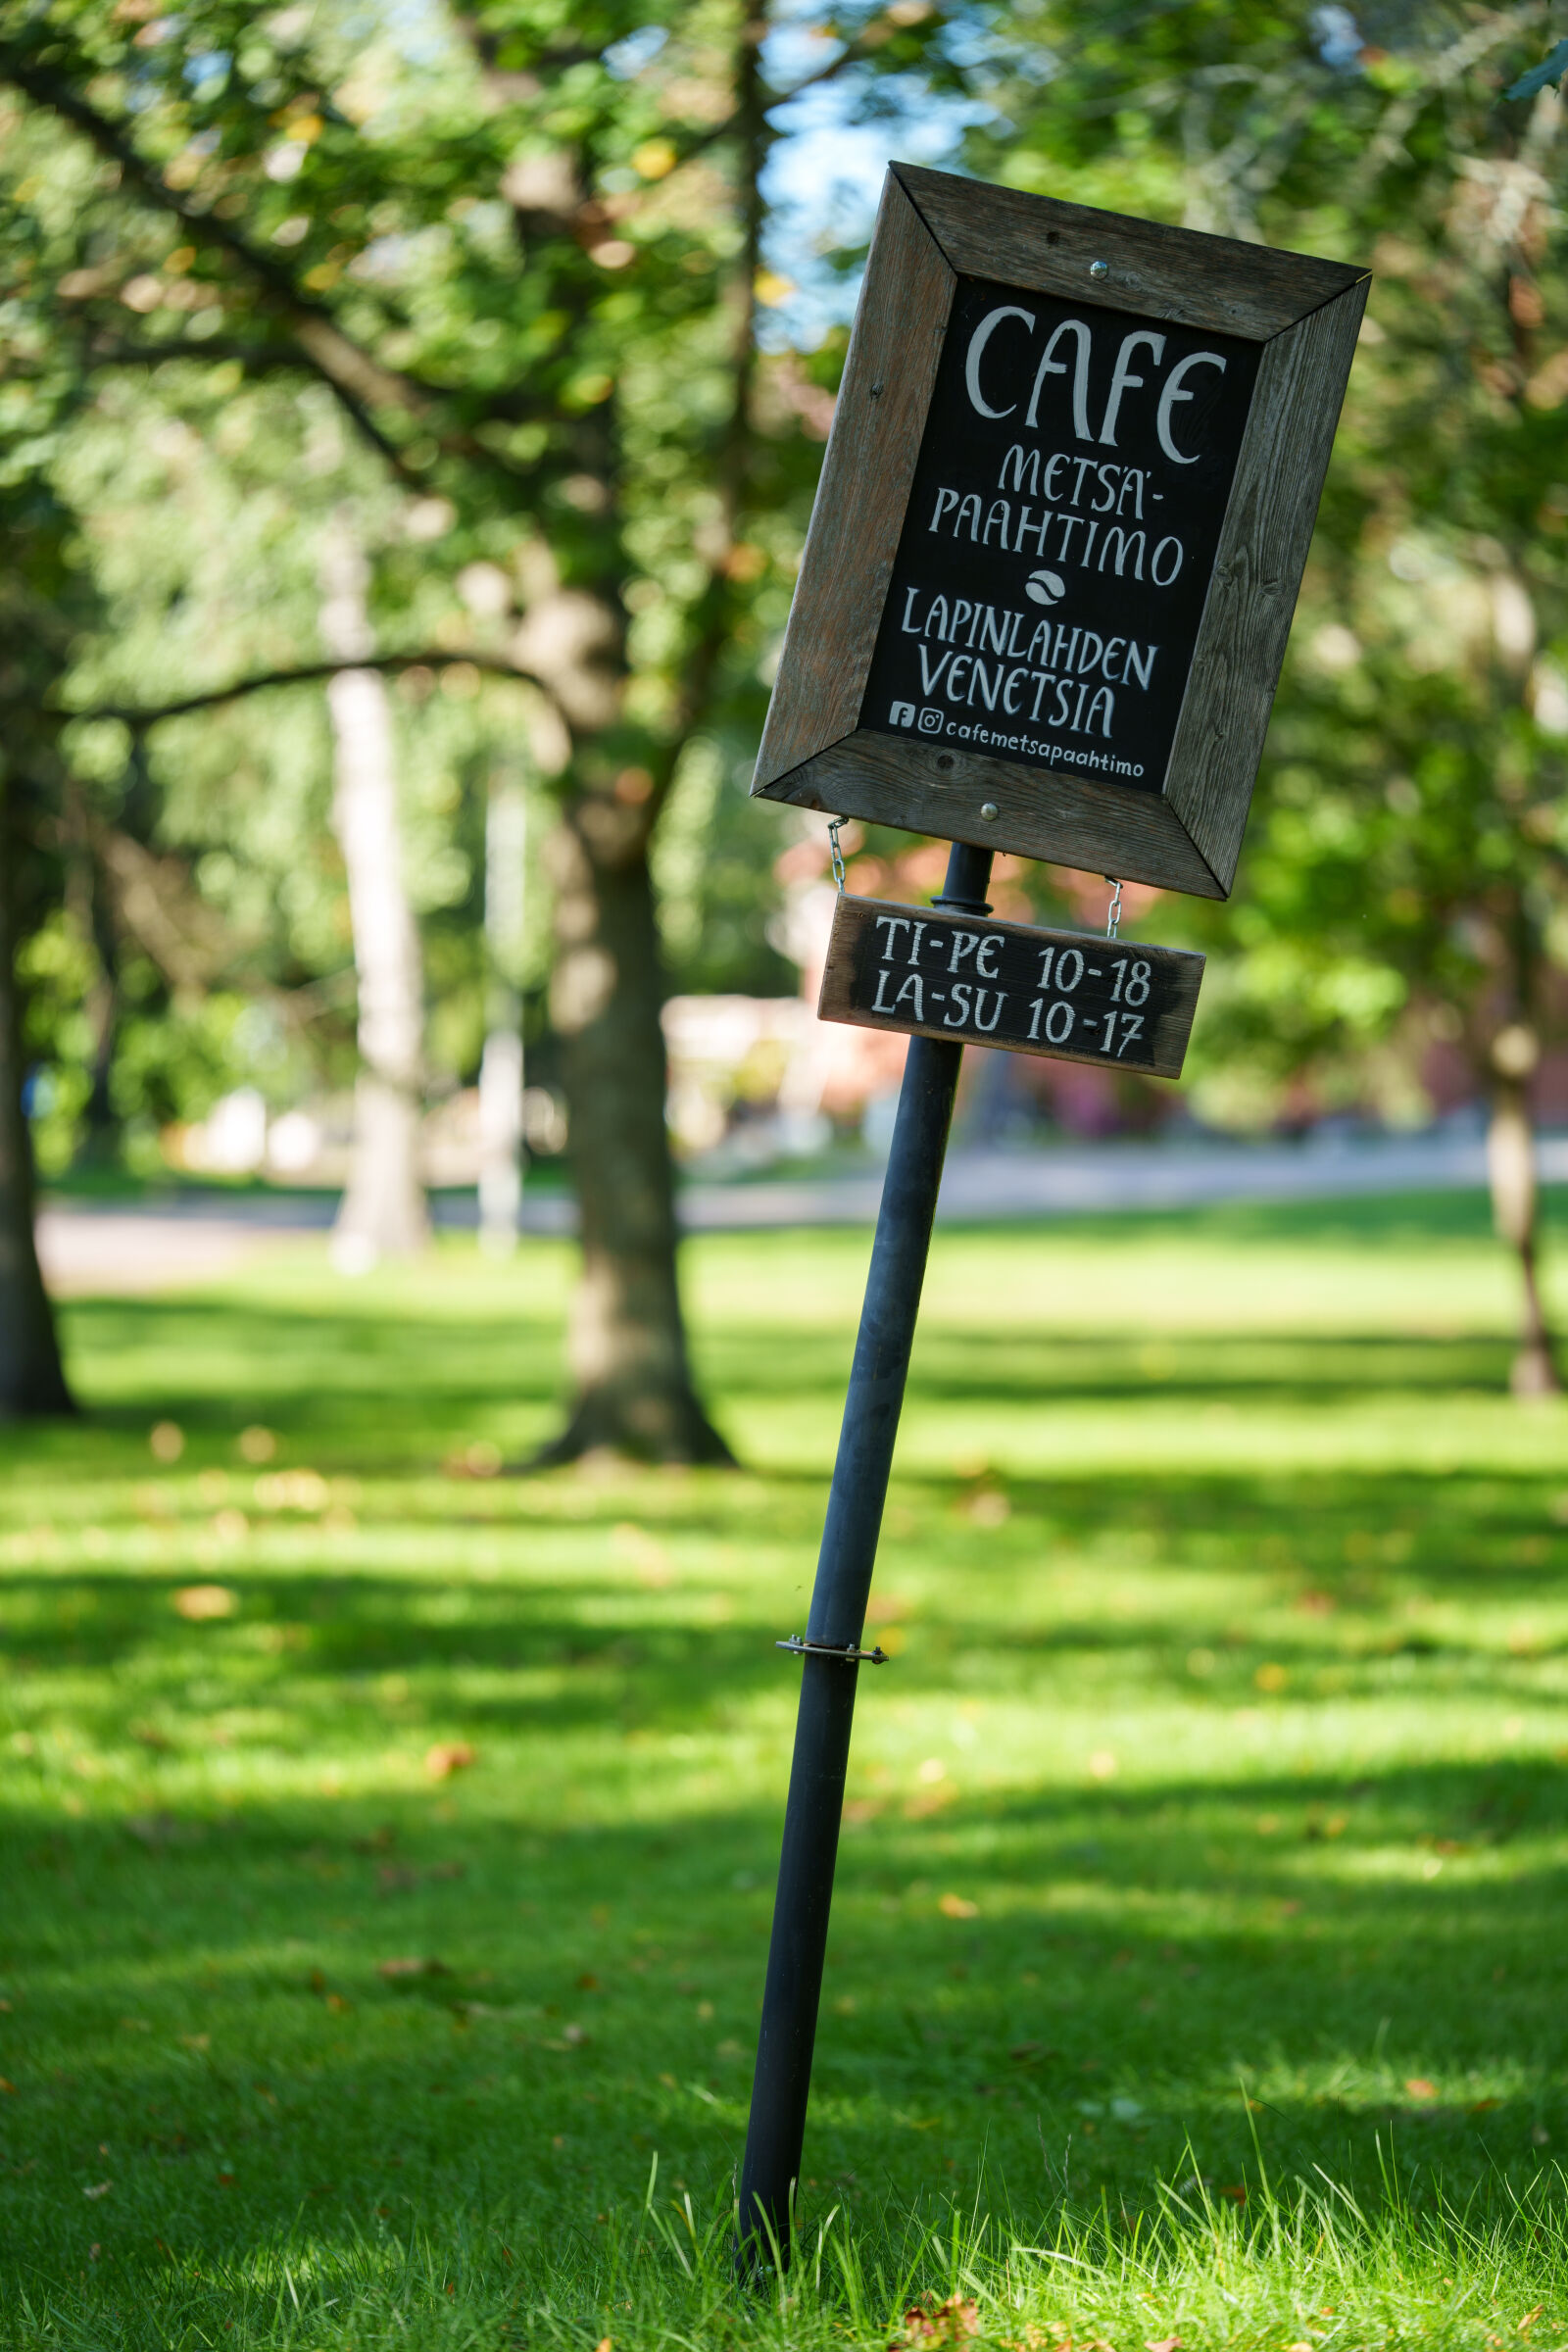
pixel 855 960
pixel 863 492
pixel 1161 272
pixel 1040 812
pixel 1257 576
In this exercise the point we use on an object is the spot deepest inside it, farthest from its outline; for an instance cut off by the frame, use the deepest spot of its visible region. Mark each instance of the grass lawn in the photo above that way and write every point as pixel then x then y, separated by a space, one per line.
pixel 388 1846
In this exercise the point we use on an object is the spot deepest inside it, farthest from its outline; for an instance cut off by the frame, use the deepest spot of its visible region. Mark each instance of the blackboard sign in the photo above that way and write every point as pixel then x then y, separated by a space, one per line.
pixel 1060 528
pixel 1073 996
pixel 1061 534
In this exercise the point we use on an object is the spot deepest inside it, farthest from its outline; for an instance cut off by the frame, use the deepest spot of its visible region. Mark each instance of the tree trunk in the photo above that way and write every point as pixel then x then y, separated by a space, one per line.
pixel 1511 1168
pixel 506 844
pixel 31 1378
pixel 626 1347
pixel 383 1208
pixel 86 902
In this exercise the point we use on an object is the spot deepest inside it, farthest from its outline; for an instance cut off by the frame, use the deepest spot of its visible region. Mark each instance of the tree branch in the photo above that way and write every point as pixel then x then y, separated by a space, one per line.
pixel 310 673
pixel 700 670
pixel 257 358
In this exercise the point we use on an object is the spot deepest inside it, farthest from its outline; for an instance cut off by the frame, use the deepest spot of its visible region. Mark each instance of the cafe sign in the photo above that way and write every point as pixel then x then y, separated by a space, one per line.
pixel 1061 524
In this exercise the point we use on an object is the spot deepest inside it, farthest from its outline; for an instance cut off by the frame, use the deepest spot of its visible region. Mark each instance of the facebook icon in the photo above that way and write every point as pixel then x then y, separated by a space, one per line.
pixel 901 714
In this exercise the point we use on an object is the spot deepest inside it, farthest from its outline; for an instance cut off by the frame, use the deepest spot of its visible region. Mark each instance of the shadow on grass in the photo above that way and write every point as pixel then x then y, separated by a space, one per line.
pixel 203 1997
pixel 1057 1979
pixel 353 1371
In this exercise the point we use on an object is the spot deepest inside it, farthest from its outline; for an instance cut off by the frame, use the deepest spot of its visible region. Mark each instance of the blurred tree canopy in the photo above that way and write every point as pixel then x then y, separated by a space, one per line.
pixel 494 282
pixel 1404 888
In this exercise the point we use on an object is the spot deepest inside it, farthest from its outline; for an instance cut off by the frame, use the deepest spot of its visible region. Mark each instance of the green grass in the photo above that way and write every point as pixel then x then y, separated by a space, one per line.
pixel 1206 1836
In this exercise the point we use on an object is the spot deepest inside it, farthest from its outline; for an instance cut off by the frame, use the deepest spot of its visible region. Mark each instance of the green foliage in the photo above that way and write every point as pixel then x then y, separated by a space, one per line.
pixel 489 280
pixel 1217 1762
pixel 1406 879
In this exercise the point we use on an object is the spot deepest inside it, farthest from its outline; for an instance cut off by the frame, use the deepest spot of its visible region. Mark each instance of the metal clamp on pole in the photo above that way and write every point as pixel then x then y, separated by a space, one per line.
pixel 801 1648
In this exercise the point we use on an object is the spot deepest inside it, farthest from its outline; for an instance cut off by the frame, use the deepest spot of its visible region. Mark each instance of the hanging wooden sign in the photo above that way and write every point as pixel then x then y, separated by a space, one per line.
pixel 1074 996
pixel 1062 523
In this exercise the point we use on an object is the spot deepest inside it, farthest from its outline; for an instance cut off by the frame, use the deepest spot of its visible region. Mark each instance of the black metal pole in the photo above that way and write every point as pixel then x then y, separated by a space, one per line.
pixel 782 2082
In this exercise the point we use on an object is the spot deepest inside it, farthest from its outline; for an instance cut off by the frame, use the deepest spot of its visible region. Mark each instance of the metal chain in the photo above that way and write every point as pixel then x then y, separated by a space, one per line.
pixel 838 855
pixel 1114 911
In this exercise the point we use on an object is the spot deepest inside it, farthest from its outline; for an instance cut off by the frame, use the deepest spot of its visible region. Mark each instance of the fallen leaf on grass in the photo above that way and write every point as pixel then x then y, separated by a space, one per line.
pixel 957 1906
pixel 1236 2193
pixel 99 2189
pixel 480 1459
pixel 153 1828
pixel 7 2087
pixel 928 1801
pixel 447 1756
pixel 946 2322
pixel 412 1967
pixel 1162 2343
pixel 197 2041
pixel 1420 2088
pixel 198 1602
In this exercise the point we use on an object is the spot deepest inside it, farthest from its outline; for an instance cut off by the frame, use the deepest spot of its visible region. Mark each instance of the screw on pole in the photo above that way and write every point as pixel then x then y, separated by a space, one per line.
pixel 830 1667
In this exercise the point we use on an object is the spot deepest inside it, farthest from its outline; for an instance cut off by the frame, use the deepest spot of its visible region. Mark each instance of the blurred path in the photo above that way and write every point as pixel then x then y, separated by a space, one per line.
pixel 130 1246
pixel 98 1250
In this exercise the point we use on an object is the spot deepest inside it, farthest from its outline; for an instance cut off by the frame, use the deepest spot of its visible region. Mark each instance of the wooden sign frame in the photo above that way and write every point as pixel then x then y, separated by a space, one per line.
pixel 934 229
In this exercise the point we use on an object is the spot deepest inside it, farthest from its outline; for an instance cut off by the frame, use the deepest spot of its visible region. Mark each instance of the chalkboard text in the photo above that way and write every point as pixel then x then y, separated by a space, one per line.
pixel 1073 994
